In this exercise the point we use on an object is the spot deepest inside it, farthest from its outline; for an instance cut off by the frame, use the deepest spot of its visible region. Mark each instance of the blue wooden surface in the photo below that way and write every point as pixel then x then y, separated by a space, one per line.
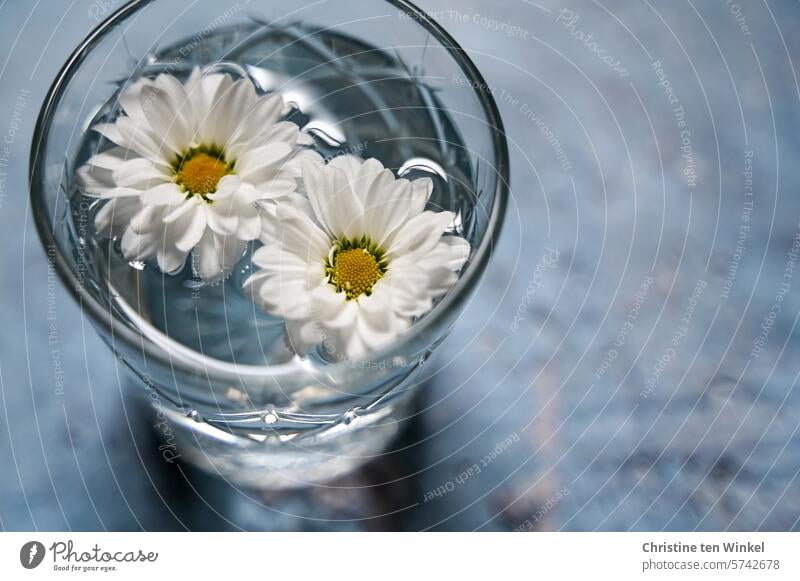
pixel 614 381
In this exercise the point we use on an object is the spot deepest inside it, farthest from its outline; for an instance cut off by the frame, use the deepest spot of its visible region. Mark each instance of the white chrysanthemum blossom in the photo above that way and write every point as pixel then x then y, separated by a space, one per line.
pixel 353 264
pixel 193 165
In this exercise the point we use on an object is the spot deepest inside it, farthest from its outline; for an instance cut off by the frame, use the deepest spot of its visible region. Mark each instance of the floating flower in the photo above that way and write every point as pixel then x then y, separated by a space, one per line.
pixel 352 265
pixel 193 165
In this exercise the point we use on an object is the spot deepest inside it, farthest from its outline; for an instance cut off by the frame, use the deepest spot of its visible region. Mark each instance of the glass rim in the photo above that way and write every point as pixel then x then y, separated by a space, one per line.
pixel 101 314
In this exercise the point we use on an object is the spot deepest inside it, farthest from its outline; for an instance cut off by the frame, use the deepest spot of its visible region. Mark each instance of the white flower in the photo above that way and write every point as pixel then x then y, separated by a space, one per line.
pixel 192 166
pixel 351 266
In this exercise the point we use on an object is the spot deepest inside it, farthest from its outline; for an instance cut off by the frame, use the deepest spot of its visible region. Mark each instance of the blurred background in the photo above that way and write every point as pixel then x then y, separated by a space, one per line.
pixel 629 361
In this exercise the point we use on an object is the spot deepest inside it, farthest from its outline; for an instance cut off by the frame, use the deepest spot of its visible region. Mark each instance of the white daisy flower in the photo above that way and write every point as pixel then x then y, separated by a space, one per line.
pixel 192 165
pixel 356 262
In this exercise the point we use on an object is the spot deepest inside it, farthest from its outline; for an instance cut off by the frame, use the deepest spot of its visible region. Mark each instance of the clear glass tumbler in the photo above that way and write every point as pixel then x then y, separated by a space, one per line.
pixel 375 78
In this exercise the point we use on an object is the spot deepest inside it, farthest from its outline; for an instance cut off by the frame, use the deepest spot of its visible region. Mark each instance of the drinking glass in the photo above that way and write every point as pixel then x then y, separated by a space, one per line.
pixel 374 78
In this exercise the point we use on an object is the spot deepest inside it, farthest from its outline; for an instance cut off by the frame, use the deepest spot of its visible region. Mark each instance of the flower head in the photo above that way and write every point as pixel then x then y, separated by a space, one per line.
pixel 193 165
pixel 354 263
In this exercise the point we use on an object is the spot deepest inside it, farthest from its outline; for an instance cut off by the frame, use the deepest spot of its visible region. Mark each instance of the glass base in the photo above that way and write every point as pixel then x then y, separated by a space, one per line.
pixel 272 460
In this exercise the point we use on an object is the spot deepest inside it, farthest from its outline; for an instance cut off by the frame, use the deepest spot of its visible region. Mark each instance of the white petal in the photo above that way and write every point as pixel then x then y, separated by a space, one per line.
pixel 207 260
pixel 217 255
pixel 226 187
pixel 351 344
pixel 267 110
pixel 290 296
pixel 335 205
pixel 148 219
pixel 201 89
pixel 376 331
pixel 260 126
pixel 285 131
pixel 419 235
pixel 350 165
pixel 249 226
pixel 304 138
pixel 136 246
pixel 294 165
pixel 110 159
pixel 422 189
pixel 114 216
pixel 191 227
pixel 140 173
pixel 299 234
pixel 254 161
pixel 94 181
pixel 269 221
pixel 111 132
pixel 170 258
pixel 207 123
pixel 273 259
pixel 121 193
pixel 183 207
pixel 139 137
pixel 276 189
pixel 339 331
pixel 131 100
pixel 371 181
pixel 164 104
pixel 232 111
pixel 451 253
pixel 167 194
pixel 222 220
pixel 441 280
pixel 377 310
pixel 387 209
pixel 408 285
pixel 281 288
pixel 332 308
pixel 231 250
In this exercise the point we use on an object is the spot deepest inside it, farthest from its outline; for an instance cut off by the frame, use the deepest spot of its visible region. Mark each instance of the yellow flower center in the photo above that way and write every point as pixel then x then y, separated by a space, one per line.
pixel 355 271
pixel 199 173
